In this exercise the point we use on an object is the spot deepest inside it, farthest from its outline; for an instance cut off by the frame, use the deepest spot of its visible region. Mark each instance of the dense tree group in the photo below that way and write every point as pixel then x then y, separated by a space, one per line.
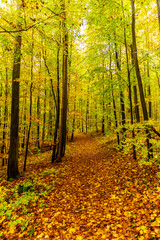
pixel 84 66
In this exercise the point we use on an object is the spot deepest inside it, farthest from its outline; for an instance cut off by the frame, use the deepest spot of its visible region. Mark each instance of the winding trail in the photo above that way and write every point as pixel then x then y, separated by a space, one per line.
pixel 99 194
pixel 96 197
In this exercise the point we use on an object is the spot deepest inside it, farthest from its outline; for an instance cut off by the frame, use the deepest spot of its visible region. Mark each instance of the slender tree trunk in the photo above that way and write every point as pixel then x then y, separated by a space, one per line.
pixel 158 9
pixel 136 106
pixel 158 79
pixel 1 107
pixel 87 110
pixel 142 98
pixel 73 123
pixel 103 125
pixel 44 116
pixel 55 147
pixel 30 107
pixel 63 129
pixel 121 95
pixel 113 100
pixel 50 125
pixel 38 109
pixel 3 148
pixel 81 107
pixel 74 117
pixel 103 105
pixel 129 82
pixel 148 78
pixel 149 93
pixel 56 101
pixel 24 119
pixel 38 124
pixel 96 118
pixel 12 171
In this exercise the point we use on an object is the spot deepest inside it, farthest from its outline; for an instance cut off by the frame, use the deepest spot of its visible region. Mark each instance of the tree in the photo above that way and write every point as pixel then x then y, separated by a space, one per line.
pixel 12 171
pixel 63 129
pixel 140 85
pixel 30 107
pixel 158 9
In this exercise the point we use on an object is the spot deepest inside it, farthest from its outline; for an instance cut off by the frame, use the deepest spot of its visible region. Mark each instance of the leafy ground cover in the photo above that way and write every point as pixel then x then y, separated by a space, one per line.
pixel 96 193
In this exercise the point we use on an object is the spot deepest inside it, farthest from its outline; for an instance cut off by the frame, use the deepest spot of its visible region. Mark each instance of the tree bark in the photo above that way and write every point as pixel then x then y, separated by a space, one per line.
pixel 158 9
pixel 113 100
pixel 87 110
pixel 44 116
pixel 3 148
pixel 12 171
pixel 140 85
pixel 122 104
pixel 129 82
pixel 30 107
pixel 55 147
pixel 63 127
pixel 136 107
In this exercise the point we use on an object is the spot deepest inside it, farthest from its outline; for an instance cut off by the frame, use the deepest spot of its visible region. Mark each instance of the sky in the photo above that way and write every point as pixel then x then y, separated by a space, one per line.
pixel 3 4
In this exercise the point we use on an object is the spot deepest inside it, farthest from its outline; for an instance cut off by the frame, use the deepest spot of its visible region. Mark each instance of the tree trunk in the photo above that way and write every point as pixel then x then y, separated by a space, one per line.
pixel 149 92
pixel 103 105
pixel 73 123
pixel 87 110
pixel 129 82
pixel 44 116
pixel 30 107
pixel 113 100
pixel 24 119
pixel 38 119
pixel 103 125
pixel 136 64
pixel 38 109
pixel 50 125
pixel 121 95
pixel 96 118
pixel 158 9
pixel 55 147
pixel 136 107
pixel 63 129
pixel 12 171
pixel 3 148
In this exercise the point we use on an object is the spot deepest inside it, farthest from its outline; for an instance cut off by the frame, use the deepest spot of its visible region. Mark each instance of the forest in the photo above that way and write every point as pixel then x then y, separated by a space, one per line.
pixel 79 119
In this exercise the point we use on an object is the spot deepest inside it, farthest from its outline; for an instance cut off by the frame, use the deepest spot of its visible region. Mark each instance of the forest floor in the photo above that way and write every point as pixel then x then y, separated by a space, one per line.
pixel 95 193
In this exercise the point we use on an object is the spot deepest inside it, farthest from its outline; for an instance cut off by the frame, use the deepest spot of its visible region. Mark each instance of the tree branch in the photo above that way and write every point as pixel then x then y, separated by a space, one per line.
pixel 154 130
pixel 22 30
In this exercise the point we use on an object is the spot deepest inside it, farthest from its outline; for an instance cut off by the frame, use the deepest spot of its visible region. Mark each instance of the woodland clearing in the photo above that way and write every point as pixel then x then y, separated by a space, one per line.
pixel 97 192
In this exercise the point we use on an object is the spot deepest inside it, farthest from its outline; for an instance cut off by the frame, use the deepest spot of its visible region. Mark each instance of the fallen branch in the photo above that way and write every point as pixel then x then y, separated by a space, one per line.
pixel 154 130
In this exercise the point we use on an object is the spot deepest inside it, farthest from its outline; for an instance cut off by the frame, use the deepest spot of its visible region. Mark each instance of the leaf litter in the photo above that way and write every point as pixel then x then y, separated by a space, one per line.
pixel 95 193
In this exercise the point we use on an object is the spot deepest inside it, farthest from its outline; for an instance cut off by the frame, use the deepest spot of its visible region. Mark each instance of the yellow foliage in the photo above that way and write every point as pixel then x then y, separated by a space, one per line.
pixel 79 238
pixel 72 230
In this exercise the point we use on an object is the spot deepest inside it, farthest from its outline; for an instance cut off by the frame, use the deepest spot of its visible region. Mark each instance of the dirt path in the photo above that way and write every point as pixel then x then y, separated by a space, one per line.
pixel 98 195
